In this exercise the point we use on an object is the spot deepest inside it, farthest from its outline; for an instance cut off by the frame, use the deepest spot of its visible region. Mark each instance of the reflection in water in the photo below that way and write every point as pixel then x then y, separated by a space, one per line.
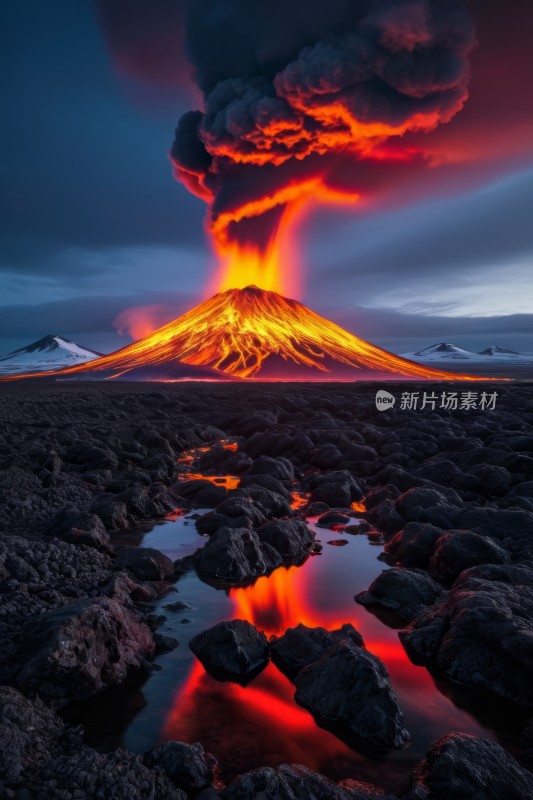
pixel 261 724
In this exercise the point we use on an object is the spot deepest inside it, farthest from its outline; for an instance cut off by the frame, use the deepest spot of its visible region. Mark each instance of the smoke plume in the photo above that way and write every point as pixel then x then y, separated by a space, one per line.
pixel 295 89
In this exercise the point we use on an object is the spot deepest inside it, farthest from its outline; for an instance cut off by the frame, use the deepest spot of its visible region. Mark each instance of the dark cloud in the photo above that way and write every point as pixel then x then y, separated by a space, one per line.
pixel 343 78
pixel 487 228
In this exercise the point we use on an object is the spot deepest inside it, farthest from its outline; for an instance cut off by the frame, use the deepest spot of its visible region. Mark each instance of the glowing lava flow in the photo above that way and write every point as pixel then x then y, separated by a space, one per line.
pixel 253 333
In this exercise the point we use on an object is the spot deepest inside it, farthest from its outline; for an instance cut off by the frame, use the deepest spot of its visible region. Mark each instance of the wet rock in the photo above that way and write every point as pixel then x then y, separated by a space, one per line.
pixel 164 644
pixel 480 633
pixel 188 766
pixel 79 649
pixel 179 605
pixel 81 527
pixel 461 766
pixel 233 650
pixel 413 546
pixel 292 539
pixel 338 542
pixel 294 782
pixel 301 646
pixel 145 563
pixel 401 593
pixel 280 468
pixel 456 551
pixel 236 556
pixel 350 687
pixel 332 518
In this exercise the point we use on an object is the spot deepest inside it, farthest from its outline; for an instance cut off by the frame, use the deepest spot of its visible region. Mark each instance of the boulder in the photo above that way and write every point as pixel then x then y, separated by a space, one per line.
pixel 294 782
pixel 81 527
pixel 292 539
pixel 233 650
pixel 350 688
pixel 145 563
pixel 236 555
pixel 77 650
pixel 413 546
pixel 469 768
pixel 301 646
pixel 480 634
pixel 456 551
pixel 188 766
pixel 401 594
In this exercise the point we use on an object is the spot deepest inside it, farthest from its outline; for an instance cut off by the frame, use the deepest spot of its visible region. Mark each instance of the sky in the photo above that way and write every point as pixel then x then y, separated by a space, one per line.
pixel 93 223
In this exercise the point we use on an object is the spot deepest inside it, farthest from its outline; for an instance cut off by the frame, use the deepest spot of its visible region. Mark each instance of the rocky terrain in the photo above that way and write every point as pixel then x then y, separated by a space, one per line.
pixel 449 491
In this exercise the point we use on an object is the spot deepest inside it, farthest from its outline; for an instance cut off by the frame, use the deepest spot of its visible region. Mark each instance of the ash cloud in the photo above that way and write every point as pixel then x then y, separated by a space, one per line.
pixel 293 88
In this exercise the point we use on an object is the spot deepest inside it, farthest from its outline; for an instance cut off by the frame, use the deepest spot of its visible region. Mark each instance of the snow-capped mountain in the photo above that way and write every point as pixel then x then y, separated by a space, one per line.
pixel 496 350
pixel 445 351
pixel 50 352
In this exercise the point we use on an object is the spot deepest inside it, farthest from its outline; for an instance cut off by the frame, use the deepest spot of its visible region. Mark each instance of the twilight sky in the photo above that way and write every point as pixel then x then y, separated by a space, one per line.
pixel 93 223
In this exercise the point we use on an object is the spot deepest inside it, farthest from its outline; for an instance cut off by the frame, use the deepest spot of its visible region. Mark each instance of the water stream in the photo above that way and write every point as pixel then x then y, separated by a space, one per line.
pixel 260 724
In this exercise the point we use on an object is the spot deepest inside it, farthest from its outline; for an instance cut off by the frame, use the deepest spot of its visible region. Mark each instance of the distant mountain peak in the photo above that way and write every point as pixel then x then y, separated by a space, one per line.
pixel 495 349
pixel 49 353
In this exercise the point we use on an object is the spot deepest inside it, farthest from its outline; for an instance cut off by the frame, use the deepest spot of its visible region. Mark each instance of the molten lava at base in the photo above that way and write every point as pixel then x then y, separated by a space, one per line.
pixel 252 333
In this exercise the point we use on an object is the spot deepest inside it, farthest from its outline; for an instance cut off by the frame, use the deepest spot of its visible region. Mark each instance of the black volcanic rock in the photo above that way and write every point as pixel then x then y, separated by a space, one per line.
pixel 81 527
pixel 480 633
pixel 292 539
pixel 465 767
pixel 456 551
pixel 236 507
pixel 413 546
pixel 294 782
pixel 188 766
pixel 280 468
pixel 79 649
pixel 145 563
pixel 232 650
pixel 208 524
pixel 203 493
pixel 350 687
pixel 336 488
pixel 301 646
pixel 236 555
pixel 401 593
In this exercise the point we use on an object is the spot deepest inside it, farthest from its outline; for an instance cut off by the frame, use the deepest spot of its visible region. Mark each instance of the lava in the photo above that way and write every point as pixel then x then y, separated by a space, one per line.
pixel 253 333
pixel 242 264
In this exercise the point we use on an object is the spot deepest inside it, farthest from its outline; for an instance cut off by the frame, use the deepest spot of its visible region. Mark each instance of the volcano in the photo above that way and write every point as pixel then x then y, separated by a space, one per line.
pixel 256 334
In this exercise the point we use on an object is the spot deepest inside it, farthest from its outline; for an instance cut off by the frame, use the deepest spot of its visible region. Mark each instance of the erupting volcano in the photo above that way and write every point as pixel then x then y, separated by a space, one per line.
pixel 252 333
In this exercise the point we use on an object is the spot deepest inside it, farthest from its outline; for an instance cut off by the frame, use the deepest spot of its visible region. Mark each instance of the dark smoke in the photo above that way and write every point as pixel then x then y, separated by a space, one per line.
pixel 292 87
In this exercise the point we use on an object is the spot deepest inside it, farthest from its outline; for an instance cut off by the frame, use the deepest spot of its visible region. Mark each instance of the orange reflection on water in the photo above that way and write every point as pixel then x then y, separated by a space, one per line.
pixel 229 481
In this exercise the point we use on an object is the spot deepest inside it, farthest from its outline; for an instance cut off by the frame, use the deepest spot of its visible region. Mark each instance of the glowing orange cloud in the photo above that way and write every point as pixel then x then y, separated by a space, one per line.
pixel 276 268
